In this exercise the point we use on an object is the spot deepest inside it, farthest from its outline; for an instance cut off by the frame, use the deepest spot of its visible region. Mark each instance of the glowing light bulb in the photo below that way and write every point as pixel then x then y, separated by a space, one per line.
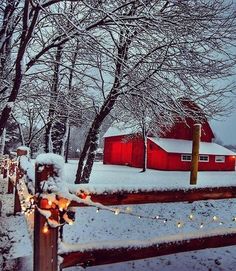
pixel 179 224
pixel 71 223
pixel 215 218
pixel 191 216
pixel 83 196
pixel 128 209
pixel 97 210
pixel 45 228
pixel 201 226
pixel 117 211
pixel 49 202
pixel 157 217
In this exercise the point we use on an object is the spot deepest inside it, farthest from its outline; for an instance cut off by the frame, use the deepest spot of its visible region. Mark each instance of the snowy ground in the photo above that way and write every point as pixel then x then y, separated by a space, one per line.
pixel 103 225
pixel 14 237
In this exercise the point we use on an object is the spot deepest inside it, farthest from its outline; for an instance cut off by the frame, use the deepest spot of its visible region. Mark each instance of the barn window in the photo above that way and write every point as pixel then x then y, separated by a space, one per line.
pixel 203 158
pixel 186 157
pixel 220 159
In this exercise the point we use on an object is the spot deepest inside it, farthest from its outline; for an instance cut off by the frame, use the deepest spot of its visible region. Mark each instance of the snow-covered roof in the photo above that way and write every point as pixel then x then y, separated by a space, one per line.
pixel 117 131
pixel 185 146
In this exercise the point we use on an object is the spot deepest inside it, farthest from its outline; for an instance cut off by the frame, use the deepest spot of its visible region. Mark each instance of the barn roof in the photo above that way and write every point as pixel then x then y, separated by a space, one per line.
pixel 185 146
pixel 119 130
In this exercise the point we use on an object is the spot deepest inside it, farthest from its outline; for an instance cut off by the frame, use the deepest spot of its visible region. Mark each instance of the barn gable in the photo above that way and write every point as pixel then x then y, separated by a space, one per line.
pixel 184 130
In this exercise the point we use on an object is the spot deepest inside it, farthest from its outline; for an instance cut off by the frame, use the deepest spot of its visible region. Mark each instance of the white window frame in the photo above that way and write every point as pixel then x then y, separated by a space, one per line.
pixel 203 160
pixel 220 156
pixel 183 156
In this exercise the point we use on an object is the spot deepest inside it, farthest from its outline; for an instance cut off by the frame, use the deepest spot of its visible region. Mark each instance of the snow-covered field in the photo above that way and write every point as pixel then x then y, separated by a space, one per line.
pixel 93 226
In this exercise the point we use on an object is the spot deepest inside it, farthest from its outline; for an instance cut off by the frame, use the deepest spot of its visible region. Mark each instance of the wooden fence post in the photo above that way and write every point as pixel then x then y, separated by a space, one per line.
pixel 45 240
pixel 11 171
pixel 195 153
pixel 10 187
pixel 5 168
pixel 19 174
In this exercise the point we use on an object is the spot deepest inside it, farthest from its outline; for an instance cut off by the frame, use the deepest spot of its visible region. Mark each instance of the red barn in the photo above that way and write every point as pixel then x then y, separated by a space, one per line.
pixel 171 152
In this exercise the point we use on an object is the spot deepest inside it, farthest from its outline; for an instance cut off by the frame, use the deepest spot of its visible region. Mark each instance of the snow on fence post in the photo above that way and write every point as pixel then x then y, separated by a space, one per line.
pixel 45 237
pixel 5 166
pixel 11 171
pixel 10 187
pixel 19 174
pixel 195 153
pixel 1 162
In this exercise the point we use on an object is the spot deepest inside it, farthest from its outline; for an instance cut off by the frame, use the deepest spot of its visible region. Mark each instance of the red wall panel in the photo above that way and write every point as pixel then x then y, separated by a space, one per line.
pixel 183 130
pixel 119 150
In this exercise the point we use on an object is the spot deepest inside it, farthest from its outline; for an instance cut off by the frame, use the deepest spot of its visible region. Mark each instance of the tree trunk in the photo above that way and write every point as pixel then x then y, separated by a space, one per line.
pixel 3 141
pixel 90 144
pixel 83 173
pixel 53 100
pixel 67 146
pixel 65 138
pixel 28 28
pixel 90 159
pixel 144 137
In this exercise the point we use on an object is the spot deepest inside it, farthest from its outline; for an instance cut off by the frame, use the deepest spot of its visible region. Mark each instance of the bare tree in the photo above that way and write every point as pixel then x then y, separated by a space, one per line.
pixel 178 46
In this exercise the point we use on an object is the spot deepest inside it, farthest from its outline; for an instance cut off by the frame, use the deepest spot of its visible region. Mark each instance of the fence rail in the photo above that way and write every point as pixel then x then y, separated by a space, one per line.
pixel 46 246
pixel 162 196
pixel 101 256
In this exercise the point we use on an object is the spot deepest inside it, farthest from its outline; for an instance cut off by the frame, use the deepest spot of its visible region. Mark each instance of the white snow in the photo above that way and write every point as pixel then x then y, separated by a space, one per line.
pixel 28 167
pixel 107 178
pixel 119 129
pixel 10 104
pixel 24 148
pixel 174 238
pixel 51 159
pixel 136 226
pixel 185 146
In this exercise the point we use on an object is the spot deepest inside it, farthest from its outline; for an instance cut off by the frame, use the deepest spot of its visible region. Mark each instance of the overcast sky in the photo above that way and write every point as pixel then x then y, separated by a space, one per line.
pixel 225 129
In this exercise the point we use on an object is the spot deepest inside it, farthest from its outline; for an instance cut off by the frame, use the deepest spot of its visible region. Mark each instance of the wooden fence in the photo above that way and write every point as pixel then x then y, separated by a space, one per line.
pixel 46 245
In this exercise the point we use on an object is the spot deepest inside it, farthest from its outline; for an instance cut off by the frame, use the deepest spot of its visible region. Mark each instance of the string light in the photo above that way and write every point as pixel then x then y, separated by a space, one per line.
pixel 191 216
pixel 45 228
pixel 215 218
pixel 117 211
pixel 180 224
pixel 28 205
pixel 128 209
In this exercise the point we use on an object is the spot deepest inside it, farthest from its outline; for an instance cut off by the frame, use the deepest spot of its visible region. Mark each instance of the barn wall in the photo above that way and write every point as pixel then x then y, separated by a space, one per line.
pixel 137 153
pixel 174 163
pixel 117 150
pixel 157 158
pixel 228 165
pixel 120 151
pixel 183 130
